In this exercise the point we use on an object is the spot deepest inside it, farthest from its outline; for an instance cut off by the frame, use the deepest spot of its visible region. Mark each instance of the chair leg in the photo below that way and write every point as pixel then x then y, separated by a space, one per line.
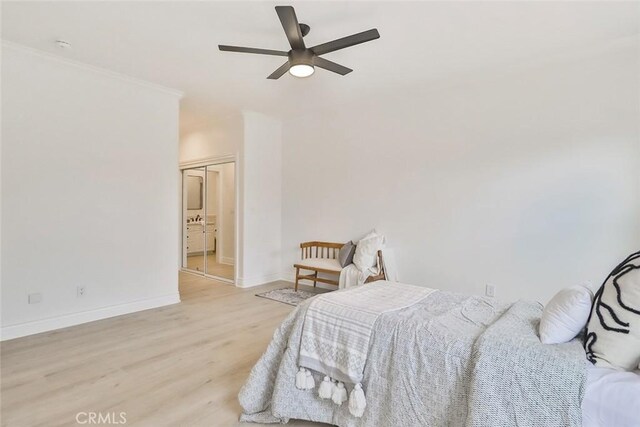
pixel 314 281
pixel 297 275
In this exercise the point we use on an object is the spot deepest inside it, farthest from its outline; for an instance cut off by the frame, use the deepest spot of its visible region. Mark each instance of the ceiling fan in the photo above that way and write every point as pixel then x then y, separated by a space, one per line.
pixel 302 59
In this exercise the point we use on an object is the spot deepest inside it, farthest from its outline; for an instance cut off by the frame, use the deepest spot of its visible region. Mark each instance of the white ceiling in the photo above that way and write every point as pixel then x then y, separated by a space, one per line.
pixel 175 44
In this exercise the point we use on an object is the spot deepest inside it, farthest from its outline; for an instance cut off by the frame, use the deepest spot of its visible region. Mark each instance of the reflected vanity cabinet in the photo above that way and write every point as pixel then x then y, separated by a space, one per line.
pixel 195 238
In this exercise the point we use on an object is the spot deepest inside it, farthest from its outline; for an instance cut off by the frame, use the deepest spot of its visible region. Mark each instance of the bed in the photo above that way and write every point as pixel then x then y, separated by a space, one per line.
pixel 612 398
pixel 448 360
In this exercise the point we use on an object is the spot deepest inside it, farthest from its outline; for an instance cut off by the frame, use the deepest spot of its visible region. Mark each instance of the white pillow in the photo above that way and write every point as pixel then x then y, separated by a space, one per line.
pixel 366 251
pixel 613 332
pixel 565 315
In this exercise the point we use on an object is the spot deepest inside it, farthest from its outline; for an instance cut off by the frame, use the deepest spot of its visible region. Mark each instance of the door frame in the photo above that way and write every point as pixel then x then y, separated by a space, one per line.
pixel 204 162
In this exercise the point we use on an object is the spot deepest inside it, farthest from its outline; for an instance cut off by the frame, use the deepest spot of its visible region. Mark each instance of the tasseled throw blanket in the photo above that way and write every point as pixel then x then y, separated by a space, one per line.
pixel 449 360
pixel 335 337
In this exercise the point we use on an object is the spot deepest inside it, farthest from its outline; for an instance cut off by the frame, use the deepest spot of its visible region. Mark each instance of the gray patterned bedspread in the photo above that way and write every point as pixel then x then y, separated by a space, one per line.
pixel 449 360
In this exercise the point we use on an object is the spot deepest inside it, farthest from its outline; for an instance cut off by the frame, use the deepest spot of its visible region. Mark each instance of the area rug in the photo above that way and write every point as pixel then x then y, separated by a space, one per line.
pixel 288 295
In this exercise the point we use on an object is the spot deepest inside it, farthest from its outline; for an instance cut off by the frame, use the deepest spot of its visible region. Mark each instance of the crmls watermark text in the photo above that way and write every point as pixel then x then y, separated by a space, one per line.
pixel 112 418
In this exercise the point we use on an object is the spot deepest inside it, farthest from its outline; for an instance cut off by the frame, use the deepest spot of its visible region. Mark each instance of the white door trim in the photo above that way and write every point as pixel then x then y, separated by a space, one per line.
pixel 208 161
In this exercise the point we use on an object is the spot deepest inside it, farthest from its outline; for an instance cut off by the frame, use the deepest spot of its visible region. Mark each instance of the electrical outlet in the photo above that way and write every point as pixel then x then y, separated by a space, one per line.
pixel 35 298
pixel 80 291
pixel 490 290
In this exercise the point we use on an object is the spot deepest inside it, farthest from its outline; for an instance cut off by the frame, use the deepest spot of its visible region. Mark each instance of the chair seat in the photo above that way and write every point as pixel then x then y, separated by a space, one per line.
pixel 322 263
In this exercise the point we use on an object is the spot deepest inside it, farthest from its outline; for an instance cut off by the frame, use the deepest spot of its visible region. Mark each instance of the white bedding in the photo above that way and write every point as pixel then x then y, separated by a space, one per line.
pixel 448 360
pixel 350 276
pixel 612 398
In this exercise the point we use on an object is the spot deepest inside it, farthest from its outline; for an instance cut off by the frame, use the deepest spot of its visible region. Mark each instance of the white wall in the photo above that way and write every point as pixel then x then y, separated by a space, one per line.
pixel 213 185
pixel 261 200
pixel 83 203
pixel 529 181
pixel 222 137
pixel 228 213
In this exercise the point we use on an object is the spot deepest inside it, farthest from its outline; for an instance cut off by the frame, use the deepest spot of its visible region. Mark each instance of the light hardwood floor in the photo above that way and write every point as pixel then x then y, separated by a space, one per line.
pixel 214 268
pixel 180 365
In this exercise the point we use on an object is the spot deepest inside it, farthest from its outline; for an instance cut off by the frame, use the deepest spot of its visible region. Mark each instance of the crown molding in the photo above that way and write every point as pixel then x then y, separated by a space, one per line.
pixel 103 71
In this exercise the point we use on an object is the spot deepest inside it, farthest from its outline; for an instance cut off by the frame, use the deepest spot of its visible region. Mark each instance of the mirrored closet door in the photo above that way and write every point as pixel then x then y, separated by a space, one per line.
pixel 209 220
pixel 194 186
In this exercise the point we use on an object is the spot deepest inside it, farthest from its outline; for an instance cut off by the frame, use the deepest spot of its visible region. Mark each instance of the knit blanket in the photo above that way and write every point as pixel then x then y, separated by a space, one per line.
pixel 448 360
pixel 338 326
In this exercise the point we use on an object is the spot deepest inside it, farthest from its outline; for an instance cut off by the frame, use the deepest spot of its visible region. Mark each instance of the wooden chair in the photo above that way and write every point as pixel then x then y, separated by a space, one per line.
pixel 322 257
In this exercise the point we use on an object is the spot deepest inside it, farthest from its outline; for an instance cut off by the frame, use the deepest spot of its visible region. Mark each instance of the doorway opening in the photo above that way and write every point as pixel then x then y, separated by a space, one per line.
pixel 209 221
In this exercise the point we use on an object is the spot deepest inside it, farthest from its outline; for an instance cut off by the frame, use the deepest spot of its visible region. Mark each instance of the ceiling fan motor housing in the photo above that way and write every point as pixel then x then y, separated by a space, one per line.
pixel 301 57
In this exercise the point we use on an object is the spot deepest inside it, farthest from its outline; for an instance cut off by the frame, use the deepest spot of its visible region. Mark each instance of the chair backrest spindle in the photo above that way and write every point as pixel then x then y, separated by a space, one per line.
pixel 326 250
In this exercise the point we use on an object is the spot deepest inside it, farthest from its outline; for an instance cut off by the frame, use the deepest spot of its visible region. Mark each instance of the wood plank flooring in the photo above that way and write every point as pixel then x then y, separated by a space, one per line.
pixel 196 262
pixel 180 365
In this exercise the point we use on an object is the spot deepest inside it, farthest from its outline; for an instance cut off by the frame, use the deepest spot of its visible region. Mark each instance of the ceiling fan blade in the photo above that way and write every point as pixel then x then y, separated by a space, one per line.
pixel 331 66
pixel 291 27
pixel 225 48
pixel 280 71
pixel 348 41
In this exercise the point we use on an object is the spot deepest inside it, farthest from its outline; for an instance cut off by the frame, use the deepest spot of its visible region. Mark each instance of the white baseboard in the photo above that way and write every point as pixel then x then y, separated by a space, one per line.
pixel 50 324
pixel 249 282
pixel 227 260
pixel 290 276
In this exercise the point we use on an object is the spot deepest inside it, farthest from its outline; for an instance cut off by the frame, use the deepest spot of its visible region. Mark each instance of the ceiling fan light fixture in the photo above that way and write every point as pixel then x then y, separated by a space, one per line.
pixel 302 59
pixel 301 70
